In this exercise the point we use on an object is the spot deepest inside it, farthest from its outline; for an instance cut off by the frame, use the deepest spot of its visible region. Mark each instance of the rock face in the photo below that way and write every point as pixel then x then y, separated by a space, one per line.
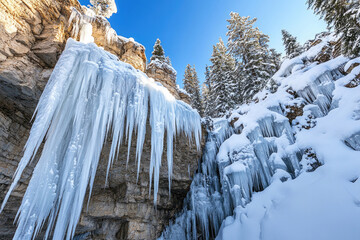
pixel 166 75
pixel 33 35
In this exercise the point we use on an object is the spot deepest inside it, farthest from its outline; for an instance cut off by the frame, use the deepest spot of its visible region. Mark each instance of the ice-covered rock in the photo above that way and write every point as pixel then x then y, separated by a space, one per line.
pixel 354 141
pixel 265 177
pixel 92 96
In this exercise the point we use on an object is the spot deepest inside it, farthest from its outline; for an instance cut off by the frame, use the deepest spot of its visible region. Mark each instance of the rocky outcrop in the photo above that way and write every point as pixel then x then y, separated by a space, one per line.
pixel 166 75
pixel 33 35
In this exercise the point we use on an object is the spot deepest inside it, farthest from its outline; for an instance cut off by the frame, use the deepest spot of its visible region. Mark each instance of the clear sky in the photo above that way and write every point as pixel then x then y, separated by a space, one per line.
pixel 189 28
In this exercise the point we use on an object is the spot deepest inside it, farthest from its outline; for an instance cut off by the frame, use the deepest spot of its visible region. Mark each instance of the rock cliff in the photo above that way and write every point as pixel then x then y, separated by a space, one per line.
pixel 33 35
pixel 166 75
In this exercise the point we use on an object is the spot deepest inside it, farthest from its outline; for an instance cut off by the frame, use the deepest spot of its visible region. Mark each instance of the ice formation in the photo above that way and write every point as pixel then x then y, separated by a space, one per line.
pixel 262 150
pixel 78 20
pixel 237 161
pixel 92 96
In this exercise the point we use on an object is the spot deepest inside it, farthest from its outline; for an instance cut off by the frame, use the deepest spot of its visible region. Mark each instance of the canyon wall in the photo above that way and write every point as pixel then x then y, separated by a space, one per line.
pixel 33 35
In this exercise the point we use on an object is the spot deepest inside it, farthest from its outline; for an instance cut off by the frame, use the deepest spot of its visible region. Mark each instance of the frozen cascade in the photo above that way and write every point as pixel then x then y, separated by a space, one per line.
pixel 232 168
pixel 260 146
pixel 91 96
pixel 77 21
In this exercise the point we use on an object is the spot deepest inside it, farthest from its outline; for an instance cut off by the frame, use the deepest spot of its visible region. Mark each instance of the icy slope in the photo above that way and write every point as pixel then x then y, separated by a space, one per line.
pixel 92 96
pixel 262 164
pixel 324 204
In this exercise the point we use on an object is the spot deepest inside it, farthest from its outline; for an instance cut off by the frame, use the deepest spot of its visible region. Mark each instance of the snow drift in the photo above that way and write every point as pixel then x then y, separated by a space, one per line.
pixel 91 96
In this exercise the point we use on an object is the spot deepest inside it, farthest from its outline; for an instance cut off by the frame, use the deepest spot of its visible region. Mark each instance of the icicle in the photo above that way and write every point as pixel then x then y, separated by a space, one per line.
pixel 233 166
pixel 86 33
pixel 78 22
pixel 87 98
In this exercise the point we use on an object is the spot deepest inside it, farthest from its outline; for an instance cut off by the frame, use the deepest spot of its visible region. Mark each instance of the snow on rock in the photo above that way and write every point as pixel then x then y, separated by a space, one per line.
pixel 263 176
pixel 157 63
pixel 77 21
pixel 323 203
pixel 182 90
pixel 92 96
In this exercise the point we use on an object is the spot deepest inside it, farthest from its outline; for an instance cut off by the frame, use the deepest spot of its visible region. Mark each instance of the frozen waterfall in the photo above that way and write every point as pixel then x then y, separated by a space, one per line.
pixel 258 146
pixel 237 161
pixel 92 96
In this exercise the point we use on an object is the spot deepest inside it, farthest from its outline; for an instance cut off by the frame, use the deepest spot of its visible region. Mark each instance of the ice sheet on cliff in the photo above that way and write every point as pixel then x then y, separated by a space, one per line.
pixel 262 151
pixel 92 96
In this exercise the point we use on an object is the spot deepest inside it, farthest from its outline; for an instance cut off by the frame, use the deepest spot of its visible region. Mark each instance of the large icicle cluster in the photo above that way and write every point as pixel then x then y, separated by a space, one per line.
pixel 259 148
pixel 237 161
pixel 203 206
pixel 91 96
pixel 77 21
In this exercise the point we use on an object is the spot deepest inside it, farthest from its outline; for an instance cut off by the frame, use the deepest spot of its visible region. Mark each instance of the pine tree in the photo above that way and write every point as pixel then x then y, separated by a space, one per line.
pixel 292 47
pixel 205 98
pixel 158 52
pixel 274 61
pixel 222 94
pixel 206 90
pixel 344 17
pixel 207 77
pixel 191 86
pixel 351 31
pixel 249 46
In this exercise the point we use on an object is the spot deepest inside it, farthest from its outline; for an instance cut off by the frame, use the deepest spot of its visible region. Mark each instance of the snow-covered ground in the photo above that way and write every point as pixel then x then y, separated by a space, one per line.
pixel 280 179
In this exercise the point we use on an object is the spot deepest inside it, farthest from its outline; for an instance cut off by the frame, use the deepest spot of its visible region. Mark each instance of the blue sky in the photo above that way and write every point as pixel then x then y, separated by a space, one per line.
pixel 189 28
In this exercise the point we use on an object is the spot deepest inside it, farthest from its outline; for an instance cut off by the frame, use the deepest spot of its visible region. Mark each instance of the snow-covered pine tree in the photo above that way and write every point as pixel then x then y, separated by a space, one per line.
pixel 292 47
pixel 104 7
pixel 159 60
pixel 187 79
pixel 222 94
pixel 207 81
pixel 196 99
pixel 192 87
pixel 351 30
pixel 249 47
pixel 344 17
pixel 158 52
pixel 206 96
pixel 274 60
pixel 274 63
